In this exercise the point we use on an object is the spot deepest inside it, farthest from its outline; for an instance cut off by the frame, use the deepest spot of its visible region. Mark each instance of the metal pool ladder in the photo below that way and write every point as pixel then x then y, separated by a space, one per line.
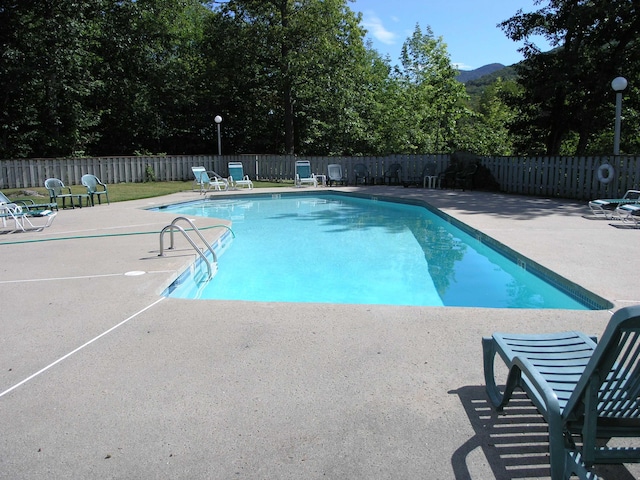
pixel 173 227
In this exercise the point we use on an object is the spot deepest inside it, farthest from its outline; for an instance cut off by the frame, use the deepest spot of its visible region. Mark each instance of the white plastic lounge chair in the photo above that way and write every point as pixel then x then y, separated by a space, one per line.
pixel 95 188
pixel 606 207
pixel 21 217
pixel 237 176
pixel 208 180
pixel 303 174
pixel 334 172
pixel 28 204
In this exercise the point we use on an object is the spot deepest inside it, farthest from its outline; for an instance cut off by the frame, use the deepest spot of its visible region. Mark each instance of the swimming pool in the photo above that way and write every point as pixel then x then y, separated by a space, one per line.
pixel 341 248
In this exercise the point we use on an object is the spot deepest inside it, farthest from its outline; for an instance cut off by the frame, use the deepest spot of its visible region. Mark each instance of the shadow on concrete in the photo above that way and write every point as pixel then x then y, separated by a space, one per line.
pixel 517 207
pixel 515 445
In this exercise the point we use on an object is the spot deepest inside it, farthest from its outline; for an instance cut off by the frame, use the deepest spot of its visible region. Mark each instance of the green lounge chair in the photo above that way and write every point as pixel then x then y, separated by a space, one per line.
pixel 629 212
pixel 303 174
pixel 237 176
pixel 28 204
pixel 606 207
pixel 57 190
pixel 582 389
pixel 95 188
pixel 208 180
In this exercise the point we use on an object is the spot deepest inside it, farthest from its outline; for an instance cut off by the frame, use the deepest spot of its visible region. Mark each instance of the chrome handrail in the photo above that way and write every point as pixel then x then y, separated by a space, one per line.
pixel 173 227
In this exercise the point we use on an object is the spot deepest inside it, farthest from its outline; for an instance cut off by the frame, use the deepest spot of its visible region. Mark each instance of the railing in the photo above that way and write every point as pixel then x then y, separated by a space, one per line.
pixel 172 227
pixel 566 177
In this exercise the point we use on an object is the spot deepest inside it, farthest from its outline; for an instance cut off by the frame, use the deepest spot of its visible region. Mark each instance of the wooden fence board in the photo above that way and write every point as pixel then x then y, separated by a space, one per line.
pixel 567 177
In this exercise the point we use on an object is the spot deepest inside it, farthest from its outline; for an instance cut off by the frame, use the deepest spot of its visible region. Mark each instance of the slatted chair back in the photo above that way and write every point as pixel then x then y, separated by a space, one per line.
pixel 606 400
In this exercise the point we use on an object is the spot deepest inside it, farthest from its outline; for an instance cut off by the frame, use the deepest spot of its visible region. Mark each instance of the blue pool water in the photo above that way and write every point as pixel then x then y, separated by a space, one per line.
pixel 342 249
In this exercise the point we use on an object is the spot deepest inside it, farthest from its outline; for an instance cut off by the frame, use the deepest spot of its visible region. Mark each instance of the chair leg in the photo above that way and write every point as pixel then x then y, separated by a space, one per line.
pixel 557 453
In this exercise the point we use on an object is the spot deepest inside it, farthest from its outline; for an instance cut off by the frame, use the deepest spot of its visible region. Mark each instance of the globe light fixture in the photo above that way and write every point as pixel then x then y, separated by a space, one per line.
pixel 218 121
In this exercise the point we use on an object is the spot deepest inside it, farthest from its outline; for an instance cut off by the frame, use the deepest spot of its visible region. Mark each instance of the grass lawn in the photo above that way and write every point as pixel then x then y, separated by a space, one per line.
pixel 121 192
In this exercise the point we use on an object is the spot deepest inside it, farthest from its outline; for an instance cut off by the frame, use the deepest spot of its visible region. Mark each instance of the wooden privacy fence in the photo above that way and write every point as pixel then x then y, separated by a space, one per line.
pixel 566 177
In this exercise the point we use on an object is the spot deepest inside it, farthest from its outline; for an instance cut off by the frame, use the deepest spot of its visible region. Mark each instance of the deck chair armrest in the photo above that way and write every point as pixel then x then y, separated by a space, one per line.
pixel 26 202
pixel 537 387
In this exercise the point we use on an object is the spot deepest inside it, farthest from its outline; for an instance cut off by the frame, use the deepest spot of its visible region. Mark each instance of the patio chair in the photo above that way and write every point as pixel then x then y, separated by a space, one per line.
pixel 237 176
pixel 393 173
pixel 464 178
pixel 208 180
pixel 303 174
pixel 447 178
pixel 334 173
pixel 582 389
pixel 95 188
pixel 29 204
pixel 21 217
pixel 429 176
pixel 360 174
pixel 629 212
pixel 58 190
pixel 606 207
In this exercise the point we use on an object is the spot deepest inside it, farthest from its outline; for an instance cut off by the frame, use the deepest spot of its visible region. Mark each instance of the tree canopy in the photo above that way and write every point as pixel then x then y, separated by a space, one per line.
pixel 123 77
pixel 565 104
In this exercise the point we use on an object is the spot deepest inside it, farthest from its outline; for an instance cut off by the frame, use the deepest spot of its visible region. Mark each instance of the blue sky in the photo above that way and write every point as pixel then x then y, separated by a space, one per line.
pixel 468 27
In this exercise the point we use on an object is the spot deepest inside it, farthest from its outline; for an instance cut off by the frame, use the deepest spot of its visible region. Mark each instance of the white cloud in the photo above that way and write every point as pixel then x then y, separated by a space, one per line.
pixel 462 66
pixel 376 29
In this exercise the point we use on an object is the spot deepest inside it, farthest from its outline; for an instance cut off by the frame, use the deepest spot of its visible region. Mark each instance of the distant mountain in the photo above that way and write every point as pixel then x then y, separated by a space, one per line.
pixel 476 87
pixel 467 75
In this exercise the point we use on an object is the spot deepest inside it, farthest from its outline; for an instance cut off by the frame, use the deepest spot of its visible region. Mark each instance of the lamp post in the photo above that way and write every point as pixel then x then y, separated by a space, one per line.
pixel 218 121
pixel 618 84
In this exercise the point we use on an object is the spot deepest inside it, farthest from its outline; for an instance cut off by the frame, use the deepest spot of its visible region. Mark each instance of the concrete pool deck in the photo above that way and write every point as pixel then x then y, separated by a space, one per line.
pixel 100 377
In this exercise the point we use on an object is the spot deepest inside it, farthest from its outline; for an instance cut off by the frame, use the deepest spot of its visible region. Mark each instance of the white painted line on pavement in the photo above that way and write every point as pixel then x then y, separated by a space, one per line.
pixel 39 372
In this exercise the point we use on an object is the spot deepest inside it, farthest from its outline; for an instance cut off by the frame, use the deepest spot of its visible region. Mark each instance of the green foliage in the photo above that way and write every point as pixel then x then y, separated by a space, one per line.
pixel 476 88
pixel 104 77
pixel 149 174
pixel 47 77
pixel 566 102
pixel 425 101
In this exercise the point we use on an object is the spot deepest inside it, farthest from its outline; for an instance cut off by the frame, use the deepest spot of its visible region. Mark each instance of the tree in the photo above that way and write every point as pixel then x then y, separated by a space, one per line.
pixel 47 75
pixel 152 71
pixel 428 101
pixel 566 92
pixel 301 58
pixel 486 131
